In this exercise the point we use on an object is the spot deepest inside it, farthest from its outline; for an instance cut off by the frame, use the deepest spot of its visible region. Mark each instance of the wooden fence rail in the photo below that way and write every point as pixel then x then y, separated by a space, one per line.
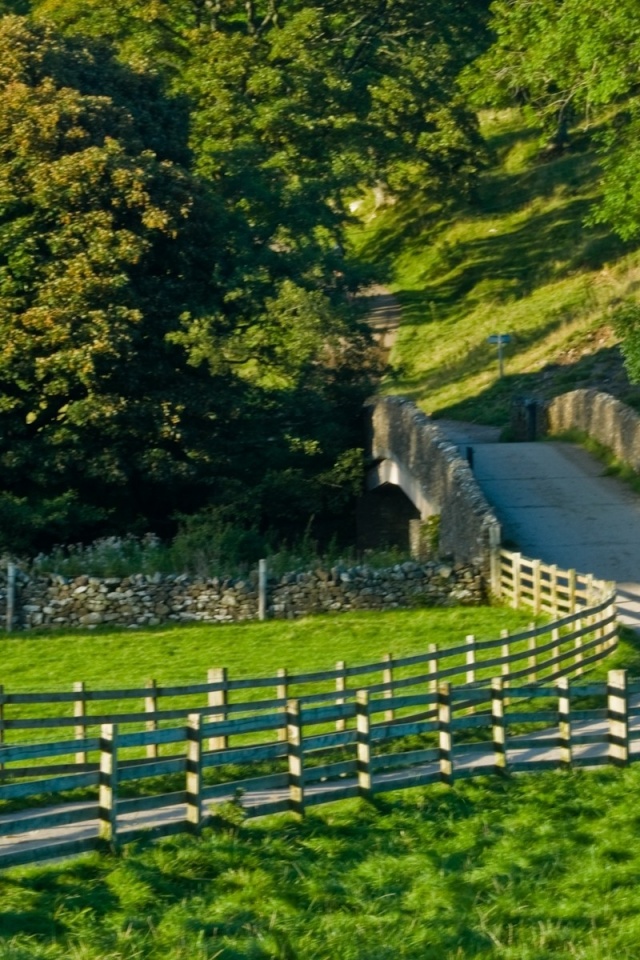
pixel 539 726
pixel 544 587
pixel 302 739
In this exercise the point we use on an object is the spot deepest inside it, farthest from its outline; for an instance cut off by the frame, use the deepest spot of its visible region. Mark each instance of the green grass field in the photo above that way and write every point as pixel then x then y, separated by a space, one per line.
pixel 183 654
pixel 523 869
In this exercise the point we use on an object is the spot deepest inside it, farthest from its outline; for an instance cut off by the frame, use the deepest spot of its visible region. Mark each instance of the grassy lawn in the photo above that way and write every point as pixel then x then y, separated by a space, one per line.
pixel 519 260
pixel 183 654
pixel 518 869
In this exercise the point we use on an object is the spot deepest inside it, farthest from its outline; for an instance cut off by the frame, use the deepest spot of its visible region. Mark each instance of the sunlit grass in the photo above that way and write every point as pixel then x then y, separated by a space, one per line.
pixel 183 654
pixel 519 260
pixel 495 869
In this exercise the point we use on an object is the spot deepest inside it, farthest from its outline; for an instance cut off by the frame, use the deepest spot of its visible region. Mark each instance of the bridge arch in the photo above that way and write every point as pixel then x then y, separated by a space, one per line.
pixel 407 450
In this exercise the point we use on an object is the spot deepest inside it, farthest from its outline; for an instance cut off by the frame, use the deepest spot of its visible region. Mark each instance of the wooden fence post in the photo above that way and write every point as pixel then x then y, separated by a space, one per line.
pixel 387 679
pixel 295 759
pixel 363 744
pixel 516 563
pixel 1 727
pixel 579 656
pixel 218 698
pixel 533 660
pixel 588 588
pixel 262 589
pixel 194 770
pixel 282 692
pixel 151 706
pixel 79 712
pixel 564 722
pixel 494 560
pixel 108 780
pixel 618 717
pixel 599 633
pixel 572 591
pixel 433 667
pixel 612 643
pixel 11 596
pixel 553 587
pixel 471 658
pixel 498 725
pixel 445 742
pixel 535 572
pixel 341 686
pixel 506 653
pixel 555 652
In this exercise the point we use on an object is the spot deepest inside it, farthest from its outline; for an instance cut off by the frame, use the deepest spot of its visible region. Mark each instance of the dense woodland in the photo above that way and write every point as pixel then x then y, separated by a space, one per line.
pixel 181 332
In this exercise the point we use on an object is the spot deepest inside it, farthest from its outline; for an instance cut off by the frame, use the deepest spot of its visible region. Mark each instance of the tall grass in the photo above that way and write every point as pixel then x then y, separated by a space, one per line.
pixel 235 553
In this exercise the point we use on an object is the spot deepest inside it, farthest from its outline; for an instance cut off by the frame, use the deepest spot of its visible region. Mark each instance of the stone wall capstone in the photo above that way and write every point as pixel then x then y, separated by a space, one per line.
pixel 606 419
pixel 398 431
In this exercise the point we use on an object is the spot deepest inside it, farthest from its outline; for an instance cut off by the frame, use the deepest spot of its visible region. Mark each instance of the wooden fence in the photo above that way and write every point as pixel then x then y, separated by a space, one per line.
pixel 290 741
pixel 546 588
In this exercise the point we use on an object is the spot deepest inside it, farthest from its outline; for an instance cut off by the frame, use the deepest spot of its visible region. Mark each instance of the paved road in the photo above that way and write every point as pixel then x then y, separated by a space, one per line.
pixel 555 503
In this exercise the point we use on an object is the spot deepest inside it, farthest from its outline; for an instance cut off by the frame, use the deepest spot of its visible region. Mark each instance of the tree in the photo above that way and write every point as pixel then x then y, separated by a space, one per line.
pixel 566 60
pixel 104 243
pixel 327 94
pixel 138 375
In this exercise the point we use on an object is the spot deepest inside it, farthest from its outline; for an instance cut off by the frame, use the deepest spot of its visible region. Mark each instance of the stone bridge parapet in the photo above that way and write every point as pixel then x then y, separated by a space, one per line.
pixel 408 449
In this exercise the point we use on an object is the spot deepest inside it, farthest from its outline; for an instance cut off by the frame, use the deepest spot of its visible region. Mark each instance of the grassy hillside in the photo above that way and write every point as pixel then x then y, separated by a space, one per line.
pixel 518 260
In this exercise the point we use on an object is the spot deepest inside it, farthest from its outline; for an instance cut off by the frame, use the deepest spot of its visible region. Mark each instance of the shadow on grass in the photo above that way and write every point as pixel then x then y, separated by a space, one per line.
pixel 455 867
pixel 603 370
pixel 453 276
pixel 477 358
pixel 509 265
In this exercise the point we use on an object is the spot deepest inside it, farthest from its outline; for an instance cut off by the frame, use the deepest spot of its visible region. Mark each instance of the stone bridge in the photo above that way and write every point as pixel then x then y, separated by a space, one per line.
pixel 417 475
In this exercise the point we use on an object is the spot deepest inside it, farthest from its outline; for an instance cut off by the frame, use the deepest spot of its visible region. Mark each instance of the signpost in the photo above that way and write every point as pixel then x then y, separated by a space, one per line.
pixel 500 339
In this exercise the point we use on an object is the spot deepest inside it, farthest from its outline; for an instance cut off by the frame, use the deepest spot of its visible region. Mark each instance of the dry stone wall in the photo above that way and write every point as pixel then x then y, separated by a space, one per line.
pixel 136 601
pixel 606 419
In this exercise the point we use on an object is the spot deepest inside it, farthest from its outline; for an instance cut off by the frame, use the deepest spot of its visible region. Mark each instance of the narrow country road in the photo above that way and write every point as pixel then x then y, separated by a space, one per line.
pixel 555 503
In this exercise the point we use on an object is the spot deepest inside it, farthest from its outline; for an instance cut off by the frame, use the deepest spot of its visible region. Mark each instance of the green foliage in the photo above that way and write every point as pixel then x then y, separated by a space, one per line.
pixel 96 263
pixel 210 542
pixel 107 557
pixel 160 350
pixel 626 321
pixel 573 61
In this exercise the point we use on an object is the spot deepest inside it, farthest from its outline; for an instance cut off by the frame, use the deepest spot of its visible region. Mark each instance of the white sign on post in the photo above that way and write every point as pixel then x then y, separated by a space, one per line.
pixel 500 339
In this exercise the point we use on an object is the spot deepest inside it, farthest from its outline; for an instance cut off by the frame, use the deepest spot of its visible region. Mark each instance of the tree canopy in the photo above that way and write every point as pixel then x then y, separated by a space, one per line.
pixel 565 60
pixel 176 303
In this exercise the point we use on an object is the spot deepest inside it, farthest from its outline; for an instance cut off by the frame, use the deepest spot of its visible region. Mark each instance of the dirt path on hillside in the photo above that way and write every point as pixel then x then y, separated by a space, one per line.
pixel 384 315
